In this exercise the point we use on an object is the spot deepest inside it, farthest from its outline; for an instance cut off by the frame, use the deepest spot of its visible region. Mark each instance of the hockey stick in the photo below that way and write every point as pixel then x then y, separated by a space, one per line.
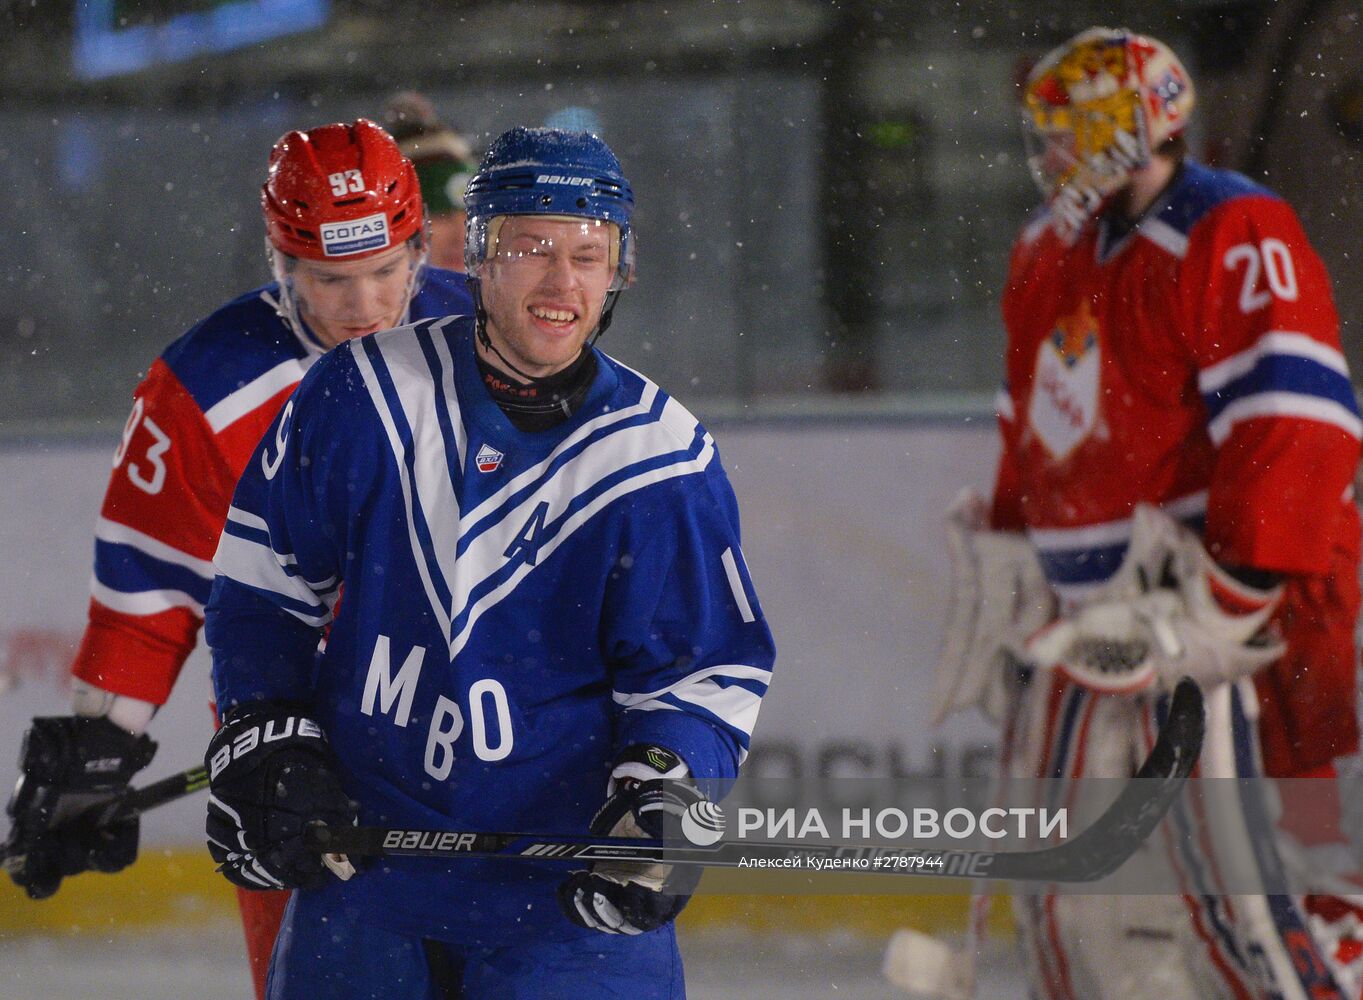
pixel 136 801
pixel 1091 855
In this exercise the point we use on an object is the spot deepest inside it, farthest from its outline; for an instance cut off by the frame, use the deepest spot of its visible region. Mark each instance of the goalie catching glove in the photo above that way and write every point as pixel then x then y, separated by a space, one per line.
pixel 649 790
pixel 1169 611
pixel 68 765
pixel 272 774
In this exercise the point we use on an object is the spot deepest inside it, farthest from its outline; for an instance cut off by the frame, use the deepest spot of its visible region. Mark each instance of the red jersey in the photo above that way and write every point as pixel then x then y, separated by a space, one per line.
pixel 1192 362
pixel 196 419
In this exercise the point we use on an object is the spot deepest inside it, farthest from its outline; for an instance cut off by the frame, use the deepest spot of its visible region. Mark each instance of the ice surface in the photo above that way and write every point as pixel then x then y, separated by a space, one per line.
pixel 210 964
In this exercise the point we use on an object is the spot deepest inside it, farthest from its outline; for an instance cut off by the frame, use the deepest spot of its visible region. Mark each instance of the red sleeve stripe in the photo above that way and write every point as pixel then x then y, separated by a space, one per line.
pixel 261 389
pixel 121 534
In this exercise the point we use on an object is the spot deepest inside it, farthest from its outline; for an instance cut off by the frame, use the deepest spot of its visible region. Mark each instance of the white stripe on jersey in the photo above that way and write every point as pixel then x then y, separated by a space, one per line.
pixel 1164 236
pixel 431 492
pixel 736 585
pixel 259 566
pixel 248 519
pixel 442 350
pixel 736 705
pixel 527 477
pixel 245 517
pixel 1283 404
pixel 143 602
pixel 1298 345
pixel 121 534
pixel 371 382
pixel 1111 532
pixel 260 389
pixel 638 482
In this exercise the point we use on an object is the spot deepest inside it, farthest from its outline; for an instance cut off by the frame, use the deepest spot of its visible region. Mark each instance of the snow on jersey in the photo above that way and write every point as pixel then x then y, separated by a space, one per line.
pixel 519 607
pixel 195 420
pixel 1192 363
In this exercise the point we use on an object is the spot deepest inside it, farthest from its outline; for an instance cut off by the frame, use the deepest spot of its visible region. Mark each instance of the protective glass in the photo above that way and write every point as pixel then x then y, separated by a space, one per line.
pixel 590 248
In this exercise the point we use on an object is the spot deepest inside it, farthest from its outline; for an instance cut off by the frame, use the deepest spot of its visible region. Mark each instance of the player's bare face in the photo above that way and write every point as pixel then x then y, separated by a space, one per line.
pixel 344 299
pixel 544 289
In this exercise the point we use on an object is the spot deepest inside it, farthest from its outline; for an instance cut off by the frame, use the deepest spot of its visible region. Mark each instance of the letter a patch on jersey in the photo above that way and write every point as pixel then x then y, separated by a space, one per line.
pixel 488 459
pixel 1064 404
pixel 526 545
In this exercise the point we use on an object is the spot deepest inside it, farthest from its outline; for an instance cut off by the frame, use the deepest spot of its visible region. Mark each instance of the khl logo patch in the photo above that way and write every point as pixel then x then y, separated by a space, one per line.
pixel 488 459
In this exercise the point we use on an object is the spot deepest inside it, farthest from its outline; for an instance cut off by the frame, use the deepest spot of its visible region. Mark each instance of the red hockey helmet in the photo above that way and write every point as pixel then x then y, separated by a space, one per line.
pixel 340 192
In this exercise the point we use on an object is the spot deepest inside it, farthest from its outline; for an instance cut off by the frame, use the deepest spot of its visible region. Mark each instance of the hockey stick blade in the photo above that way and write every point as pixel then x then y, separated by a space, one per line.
pixel 136 801
pixel 1096 852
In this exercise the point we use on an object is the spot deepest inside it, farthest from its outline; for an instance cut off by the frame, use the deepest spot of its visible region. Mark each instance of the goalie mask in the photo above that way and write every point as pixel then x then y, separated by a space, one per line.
pixel 1095 110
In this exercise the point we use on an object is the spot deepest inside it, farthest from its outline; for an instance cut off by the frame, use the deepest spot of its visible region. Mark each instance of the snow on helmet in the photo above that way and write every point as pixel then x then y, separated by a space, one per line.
pixel 547 171
pixel 340 192
pixel 1095 109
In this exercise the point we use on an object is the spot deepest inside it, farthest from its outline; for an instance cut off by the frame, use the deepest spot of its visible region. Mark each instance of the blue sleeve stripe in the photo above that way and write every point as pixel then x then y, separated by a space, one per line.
pixel 286 560
pixel 315 615
pixel 128 570
pixel 1283 373
pixel 247 533
pixel 255 565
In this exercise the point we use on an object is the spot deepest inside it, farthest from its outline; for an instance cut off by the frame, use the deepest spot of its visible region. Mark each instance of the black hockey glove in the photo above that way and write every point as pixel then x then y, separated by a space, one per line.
pixel 270 774
pixel 69 764
pixel 649 792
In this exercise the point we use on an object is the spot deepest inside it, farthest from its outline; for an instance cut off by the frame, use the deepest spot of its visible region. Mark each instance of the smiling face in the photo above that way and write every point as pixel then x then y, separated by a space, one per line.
pixel 342 300
pixel 544 287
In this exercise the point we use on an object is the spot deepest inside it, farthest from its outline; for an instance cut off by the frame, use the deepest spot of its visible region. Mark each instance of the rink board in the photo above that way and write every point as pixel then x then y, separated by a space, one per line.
pixel 842 534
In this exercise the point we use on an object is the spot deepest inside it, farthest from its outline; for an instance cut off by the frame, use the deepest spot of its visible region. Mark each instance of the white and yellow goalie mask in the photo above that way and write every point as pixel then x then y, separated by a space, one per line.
pixel 1094 110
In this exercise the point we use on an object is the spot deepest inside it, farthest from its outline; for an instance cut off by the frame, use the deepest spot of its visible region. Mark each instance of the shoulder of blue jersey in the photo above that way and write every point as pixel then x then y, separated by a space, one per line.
pixel 442 293
pixel 1202 189
pixel 243 347
pixel 672 415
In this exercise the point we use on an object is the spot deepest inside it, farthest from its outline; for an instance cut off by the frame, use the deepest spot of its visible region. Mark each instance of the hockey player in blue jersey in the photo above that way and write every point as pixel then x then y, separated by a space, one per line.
pixel 546 611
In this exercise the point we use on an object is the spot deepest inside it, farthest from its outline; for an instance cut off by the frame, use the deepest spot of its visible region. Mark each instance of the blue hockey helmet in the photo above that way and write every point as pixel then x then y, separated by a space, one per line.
pixel 549 171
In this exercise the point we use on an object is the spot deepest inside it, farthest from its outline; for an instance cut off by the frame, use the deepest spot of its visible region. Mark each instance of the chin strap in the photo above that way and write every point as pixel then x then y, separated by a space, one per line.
pixel 475 286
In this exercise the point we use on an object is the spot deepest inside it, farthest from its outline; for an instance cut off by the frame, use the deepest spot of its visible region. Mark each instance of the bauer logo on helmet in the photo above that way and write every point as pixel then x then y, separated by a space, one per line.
pixel 341 239
pixel 560 179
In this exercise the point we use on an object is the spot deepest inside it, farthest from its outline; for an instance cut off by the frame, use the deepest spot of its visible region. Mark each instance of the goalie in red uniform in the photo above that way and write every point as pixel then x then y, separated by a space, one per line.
pixel 1179 442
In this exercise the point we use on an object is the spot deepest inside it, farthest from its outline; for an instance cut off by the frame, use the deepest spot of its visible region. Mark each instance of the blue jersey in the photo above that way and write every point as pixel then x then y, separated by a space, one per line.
pixel 196 419
pixel 518 608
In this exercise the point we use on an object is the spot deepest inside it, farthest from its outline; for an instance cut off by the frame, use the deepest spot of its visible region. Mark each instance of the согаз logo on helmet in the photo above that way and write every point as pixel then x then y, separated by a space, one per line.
pixel 340 239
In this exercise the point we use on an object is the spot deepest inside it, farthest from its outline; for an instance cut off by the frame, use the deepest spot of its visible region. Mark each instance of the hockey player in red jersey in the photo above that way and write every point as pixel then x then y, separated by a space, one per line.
pixel 346 243
pixel 1179 441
